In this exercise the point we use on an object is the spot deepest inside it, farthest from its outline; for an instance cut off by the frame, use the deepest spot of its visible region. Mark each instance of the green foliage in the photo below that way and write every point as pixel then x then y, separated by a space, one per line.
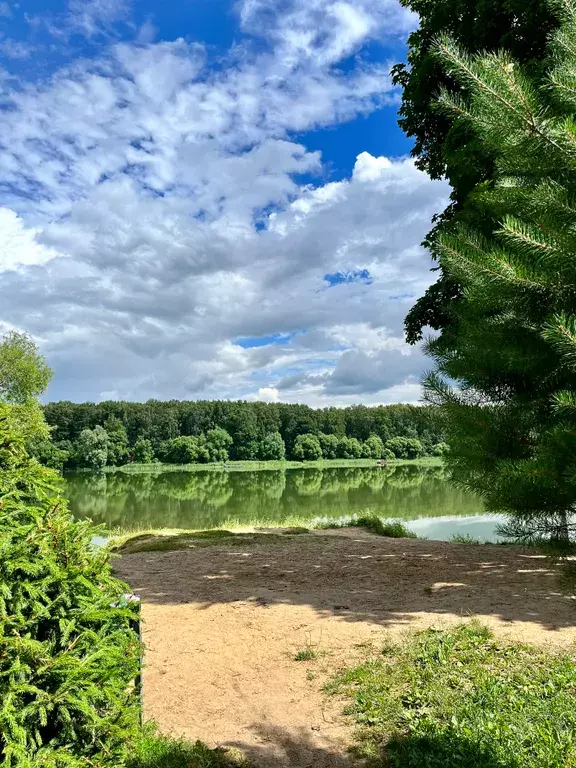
pixel 142 451
pixel 307 448
pixel 24 374
pixel 440 449
pixel 92 448
pixel 460 699
pixel 118 448
pixel 47 453
pixel 511 423
pixel 218 443
pixel 248 424
pixel 405 447
pixel 272 447
pixel 68 656
pixel 184 450
pixel 373 448
pixel 349 448
pixel 329 445
pixel 388 455
pixel 455 151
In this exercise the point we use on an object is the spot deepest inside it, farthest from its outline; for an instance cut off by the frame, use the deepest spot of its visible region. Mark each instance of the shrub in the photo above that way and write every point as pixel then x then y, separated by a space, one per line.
pixel 47 453
pixel 142 451
pixel 440 449
pixel 307 448
pixel 329 445
pixel 349 448
pixel 405 447
pixel 373 448
pixel 92 448
pixel 185 450
pixel 68 654
pixel 272 447
pixel 218 443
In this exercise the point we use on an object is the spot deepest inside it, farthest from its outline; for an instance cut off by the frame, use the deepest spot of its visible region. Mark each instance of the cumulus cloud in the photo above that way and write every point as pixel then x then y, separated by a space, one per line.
pixel 155 212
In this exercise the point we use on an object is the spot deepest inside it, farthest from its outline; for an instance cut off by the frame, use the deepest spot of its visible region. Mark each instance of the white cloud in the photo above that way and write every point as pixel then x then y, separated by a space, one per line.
pixel 91 17
pixel 162 218
pixel 5 10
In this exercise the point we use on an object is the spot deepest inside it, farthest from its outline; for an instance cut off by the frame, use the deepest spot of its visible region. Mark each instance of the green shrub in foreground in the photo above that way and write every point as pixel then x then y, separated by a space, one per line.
pixel 67 653
pixel 460 699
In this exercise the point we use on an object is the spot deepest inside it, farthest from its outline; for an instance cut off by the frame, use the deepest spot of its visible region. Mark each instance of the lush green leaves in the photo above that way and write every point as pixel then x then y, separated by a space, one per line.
pixel 24 373
pixel 512 348
pixel 68 655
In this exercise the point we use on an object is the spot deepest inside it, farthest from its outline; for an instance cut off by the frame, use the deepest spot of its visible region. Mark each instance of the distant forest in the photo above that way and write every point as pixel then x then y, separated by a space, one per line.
pixel 117 432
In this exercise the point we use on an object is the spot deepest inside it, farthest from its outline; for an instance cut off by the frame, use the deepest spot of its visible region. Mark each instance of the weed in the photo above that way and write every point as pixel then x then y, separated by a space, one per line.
pixel 465 538
pixel 460 699
pixel 306 654
pixel 393 529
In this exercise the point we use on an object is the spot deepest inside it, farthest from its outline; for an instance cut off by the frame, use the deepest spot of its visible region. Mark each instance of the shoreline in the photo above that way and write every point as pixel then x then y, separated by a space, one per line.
pixel 260 466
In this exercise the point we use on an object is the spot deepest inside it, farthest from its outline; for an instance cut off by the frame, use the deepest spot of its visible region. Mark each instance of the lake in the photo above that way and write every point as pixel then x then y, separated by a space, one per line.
pixel 419 495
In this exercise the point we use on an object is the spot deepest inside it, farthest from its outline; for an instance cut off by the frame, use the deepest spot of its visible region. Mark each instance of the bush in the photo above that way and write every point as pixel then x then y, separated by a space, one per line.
pixel 68 655
pixel 329 445
pixel 142 451
pixel 349 448
pixel 47 453
pixel 440 449
pixel 185 450
pixel 272 447
pixel 92 448
pixel 405 447
pixel 218 442
pixel 307 448
pixel 373 448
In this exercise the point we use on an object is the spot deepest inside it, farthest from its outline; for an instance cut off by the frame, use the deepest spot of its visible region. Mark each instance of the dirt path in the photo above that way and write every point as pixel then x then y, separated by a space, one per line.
pixel 223 625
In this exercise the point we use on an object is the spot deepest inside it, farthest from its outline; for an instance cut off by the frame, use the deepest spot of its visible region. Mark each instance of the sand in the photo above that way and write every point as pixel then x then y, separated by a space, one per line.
pixel 222 626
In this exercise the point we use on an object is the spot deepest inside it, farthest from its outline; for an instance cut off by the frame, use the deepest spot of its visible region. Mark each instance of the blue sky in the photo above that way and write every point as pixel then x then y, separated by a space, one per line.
pixel 211 199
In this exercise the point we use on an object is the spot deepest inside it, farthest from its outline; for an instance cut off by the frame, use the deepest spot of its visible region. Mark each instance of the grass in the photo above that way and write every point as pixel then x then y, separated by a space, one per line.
pixel 461 699
pixel 172 542
pixel 393 529
pixel 252 466
pixel 156 751
pixel 308 654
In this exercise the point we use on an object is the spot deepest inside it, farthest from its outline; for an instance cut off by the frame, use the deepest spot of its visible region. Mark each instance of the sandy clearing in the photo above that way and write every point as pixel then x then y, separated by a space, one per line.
pixel 222 625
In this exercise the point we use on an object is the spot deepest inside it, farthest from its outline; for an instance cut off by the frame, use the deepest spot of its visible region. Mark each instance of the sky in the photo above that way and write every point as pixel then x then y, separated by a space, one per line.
pixel 207 199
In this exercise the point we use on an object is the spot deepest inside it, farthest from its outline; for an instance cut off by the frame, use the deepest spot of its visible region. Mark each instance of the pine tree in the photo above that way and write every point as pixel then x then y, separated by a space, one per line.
pixel 511 348
pixel 68 655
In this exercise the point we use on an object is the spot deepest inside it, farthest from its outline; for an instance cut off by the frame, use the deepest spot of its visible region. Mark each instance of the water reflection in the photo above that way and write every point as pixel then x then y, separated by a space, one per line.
pixel 211 498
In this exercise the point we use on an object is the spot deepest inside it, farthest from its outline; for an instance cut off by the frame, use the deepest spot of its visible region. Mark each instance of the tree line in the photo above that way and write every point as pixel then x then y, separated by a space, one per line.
pixel 94 435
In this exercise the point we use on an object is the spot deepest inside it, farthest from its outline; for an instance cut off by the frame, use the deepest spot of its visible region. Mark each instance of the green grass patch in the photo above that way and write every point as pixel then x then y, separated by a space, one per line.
pixel 167 542
pixel 461 699
pixel 254 466
pixel 393 529
pixel 156 751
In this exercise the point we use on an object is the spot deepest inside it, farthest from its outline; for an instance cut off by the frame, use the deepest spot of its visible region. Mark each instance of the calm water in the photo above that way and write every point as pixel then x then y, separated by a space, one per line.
pixel 210 499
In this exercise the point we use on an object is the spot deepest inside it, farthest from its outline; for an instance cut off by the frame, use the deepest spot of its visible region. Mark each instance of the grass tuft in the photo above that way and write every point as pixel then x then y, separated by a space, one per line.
pixel 465 538
pixel 393 529
pixel 153 750
pixel 306 654
pixel 461 699
pixel 194 540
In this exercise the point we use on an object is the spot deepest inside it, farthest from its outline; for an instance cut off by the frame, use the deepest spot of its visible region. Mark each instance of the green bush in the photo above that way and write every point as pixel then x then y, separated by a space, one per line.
pixel 373 448
pixel 307 448
pixel 405 447
pixel 440 449
pixel 349 448
pixel 68 655
pixel 272 448
pixel 142 451
pixel 329 445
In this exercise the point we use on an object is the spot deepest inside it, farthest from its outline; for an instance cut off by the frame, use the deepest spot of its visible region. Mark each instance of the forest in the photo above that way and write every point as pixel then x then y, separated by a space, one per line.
pixel 93 435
